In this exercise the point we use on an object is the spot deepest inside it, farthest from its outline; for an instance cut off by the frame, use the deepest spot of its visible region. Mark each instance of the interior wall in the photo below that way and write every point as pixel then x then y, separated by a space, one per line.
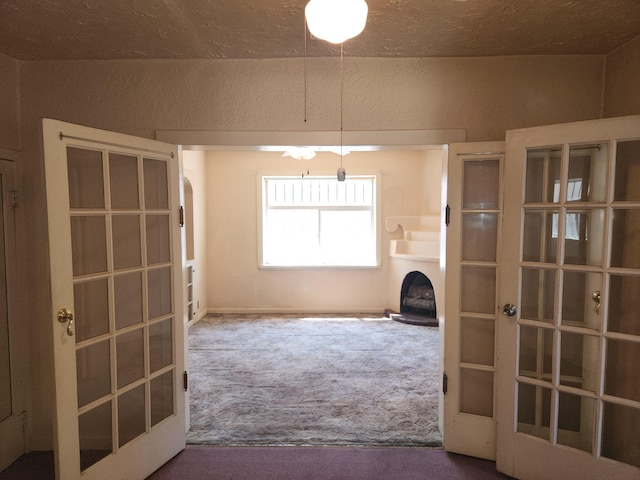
pixel 235 281
pixel 621 92
pixel 194 170
pixel 9 105
pixel 486 96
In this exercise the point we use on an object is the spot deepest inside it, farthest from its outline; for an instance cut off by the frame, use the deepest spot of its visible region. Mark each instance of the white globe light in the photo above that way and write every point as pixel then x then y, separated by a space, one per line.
pixel 336 20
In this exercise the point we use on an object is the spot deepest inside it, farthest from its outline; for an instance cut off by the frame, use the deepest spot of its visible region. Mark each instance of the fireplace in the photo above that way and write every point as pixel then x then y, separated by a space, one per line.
pixel 417 301
pixel 417 296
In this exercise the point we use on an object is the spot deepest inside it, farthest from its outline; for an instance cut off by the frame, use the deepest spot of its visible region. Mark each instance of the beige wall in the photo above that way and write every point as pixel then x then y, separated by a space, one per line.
pixel 9 111
pixel 236 283
pixel 486 96
pixel 621 92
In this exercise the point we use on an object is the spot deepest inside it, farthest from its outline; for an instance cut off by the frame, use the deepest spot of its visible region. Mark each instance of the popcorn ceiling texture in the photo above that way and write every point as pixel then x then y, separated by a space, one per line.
pixel 207 29
pixel 318 380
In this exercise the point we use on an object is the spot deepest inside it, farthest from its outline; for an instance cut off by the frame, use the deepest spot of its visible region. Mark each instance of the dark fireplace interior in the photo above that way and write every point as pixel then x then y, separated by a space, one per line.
pixel 417 297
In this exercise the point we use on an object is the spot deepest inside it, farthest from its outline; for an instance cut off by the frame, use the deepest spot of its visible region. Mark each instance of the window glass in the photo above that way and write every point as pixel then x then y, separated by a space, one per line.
pixel 318 221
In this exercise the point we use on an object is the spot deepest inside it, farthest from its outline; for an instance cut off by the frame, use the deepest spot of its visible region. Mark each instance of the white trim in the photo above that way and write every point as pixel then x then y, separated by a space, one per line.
pixel 281 141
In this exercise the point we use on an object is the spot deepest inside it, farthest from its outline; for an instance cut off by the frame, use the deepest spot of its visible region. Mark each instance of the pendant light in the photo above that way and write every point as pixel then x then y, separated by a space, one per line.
pixel 336 20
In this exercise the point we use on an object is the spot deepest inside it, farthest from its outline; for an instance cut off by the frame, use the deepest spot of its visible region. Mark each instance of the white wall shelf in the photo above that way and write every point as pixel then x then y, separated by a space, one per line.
pixel 420 237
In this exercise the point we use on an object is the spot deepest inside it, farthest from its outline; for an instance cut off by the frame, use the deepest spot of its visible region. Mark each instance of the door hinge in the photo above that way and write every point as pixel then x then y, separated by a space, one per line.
pixel 447 215
pixel 181 216
pixel 185 381
pixel 14 198
pixel 445 383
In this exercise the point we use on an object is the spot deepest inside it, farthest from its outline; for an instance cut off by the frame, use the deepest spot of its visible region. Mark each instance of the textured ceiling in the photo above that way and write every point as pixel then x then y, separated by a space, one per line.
pixel 190 29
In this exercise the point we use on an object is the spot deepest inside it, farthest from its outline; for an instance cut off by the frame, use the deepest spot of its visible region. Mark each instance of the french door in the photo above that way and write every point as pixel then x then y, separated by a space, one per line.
pixel 569 342
pixel 474 200
pixel 117 309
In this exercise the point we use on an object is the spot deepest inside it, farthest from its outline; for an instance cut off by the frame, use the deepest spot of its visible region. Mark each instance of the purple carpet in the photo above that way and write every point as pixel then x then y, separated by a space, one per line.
pixel 326 463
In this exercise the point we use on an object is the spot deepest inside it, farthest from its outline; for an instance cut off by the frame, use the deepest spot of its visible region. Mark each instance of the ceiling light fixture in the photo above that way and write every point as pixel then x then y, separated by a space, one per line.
pixel 300 153
pixel 336 20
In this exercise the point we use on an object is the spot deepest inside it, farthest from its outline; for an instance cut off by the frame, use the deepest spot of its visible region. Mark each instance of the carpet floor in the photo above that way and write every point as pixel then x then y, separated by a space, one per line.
pixel 316 380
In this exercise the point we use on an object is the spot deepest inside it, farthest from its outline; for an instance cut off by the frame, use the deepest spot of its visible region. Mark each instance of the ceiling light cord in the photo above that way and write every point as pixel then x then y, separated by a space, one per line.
pixel 305 69
pixel 341 174
pixel 341 97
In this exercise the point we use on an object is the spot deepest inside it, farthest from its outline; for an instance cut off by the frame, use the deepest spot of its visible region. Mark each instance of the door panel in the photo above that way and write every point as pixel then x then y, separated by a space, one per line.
pixel 475 203
pixel 118 329
pixel 568 390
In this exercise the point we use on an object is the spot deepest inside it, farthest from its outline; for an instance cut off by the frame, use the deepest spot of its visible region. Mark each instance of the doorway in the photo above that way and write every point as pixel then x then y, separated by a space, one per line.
pixel 12 410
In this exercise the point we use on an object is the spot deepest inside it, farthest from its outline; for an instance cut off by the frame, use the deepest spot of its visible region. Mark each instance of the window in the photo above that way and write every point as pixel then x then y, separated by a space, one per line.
pixel 318 221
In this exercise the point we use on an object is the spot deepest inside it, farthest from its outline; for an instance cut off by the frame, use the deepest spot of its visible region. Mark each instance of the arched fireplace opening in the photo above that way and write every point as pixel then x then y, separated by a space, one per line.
pixel 417 300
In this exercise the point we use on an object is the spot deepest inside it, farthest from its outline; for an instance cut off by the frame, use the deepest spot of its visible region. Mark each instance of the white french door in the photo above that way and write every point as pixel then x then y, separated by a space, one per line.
pixel 474 199
pixel 117 302
pixel 569 343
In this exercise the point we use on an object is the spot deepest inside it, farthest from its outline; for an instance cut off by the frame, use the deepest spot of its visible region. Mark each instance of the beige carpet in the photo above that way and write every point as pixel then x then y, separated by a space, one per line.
pixel 318 380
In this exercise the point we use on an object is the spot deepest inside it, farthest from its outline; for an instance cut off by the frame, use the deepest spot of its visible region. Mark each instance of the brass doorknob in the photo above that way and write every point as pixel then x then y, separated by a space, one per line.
pixel 65 315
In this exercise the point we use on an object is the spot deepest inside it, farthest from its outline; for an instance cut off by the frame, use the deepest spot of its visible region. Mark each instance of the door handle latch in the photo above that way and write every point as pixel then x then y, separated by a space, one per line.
pixel 65 315
pixel 595 296
pixel 509 310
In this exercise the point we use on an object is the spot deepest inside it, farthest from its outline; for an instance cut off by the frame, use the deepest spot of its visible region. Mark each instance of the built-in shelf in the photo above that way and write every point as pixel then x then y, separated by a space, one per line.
pixel 420 237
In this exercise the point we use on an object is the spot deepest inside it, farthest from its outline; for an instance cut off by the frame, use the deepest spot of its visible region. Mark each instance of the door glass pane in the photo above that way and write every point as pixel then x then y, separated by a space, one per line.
pixel 627 175
pixel 93 372
pixel 622 358
pixel 476 392
pixel 540 236
pixel 576 421
pixel 584 237
pixel 536 353
pixel 95 434
pixel 158 239
pixel 625 238
pixel 537 296
pixel 579 360
pixel 160 345
pixel 624 304
pixel 88 245
pixel 581 299
pixel 91 309
pixel 86 186
pixel 587 173
pixel 620 439
pixel 155 184
pixel 123 174
pixel 480 236
pixel 481 184
pixel 534 410
pixel 130 357
pixel 543 176
pixel 159 291
pixel 127 243
pixel 478 285
pixel 128 299
pixel 131 417
pixel 161 397
pixel 477 341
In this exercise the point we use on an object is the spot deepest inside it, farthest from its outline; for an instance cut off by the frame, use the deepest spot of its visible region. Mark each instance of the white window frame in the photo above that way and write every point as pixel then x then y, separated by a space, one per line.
pixel 262 207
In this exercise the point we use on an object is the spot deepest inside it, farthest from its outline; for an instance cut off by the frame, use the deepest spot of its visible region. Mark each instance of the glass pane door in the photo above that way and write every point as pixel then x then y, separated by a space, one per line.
pixel 122 289
pixel 577 335
pixel 473 248
pixel 118 335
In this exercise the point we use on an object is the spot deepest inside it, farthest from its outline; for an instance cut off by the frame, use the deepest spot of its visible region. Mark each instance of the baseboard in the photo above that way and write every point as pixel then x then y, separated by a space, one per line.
pixel 317 310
